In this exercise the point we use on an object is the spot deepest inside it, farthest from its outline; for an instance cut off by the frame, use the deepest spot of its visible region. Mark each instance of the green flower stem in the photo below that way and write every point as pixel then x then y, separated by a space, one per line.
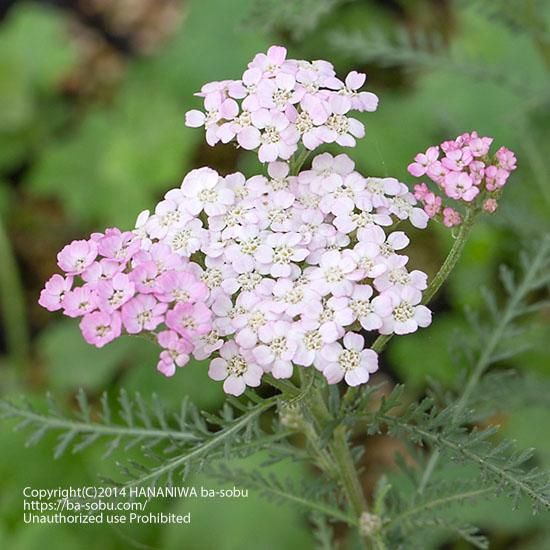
pixel 453 256
pixel 287 388
pixel 380 343
pixel 310 401
pixel 298 160
pixel 435 284
pixel 351 484
pixel 340 464
pixel 348 473
pixel 310 427
pixel 13 304
pixel 344 467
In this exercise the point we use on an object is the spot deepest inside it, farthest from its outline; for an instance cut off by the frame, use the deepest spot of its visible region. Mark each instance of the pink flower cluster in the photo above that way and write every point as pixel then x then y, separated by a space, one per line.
pixel 116 286
pixel 297 266
pixel 280 270
pixel 464 171
pixel 281 102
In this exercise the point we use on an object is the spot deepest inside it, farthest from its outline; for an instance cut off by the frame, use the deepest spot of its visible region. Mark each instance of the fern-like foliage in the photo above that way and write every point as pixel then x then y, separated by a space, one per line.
pixel 174 442
pixel 312 496
pixel 502 335
pixel 506 391
pixel 415 51
pixel 412 514
pixel 437 496
pixel 445 423
pixel 136 423
pixel 500 466
pixel 517 15
pixel 322 532
pixel 414 536
pixel 502 470
pixel 295 18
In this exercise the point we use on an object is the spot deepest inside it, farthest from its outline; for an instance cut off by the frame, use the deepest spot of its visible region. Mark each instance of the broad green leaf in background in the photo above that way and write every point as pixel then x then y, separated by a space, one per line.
pixel 71 363
pixel 34 56
pixel 119 161
pixel 124 156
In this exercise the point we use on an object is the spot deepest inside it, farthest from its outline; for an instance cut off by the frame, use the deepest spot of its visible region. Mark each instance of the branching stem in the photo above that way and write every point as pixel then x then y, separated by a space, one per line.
pixel 66 424
pixel 200 450
pixel 348 473
pixel 438 502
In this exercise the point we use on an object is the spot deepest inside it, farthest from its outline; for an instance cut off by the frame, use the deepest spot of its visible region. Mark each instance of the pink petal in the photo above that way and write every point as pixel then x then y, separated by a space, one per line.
pixel 217 369
pixel 423 316
pixel 355 80
pixel 229 109
pixel 346 141
pixel 249 138
pixel 356 128
pixel 234 385
pixel 268 152
pixel 333 373
pixel 166 368
pixel 282 369
pixel 278 170
pixel 261 118
pixel 340 104
pixel 276 54
pixel 253 376
pixel 285 81
pixel 194 118
pixel 263 355
pixel 354 341
pixel 369 101
pixel 252 76
pixel 356 377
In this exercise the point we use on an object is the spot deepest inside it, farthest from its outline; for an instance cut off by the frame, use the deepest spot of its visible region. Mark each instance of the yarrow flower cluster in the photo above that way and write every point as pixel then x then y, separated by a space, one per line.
pixel 274 271
pixel 297 267
pixel 117 286
pixel 279 103
pixel 463 170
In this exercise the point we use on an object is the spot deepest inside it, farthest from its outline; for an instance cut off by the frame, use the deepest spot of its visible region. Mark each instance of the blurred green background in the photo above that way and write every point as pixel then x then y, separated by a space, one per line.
pixel 92 101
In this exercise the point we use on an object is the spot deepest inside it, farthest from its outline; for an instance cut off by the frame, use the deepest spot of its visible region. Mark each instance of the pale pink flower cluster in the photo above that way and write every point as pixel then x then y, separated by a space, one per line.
pixel 263 274
pixel 279 103
pixel 299 268
pixel 464 171
pixel 117 286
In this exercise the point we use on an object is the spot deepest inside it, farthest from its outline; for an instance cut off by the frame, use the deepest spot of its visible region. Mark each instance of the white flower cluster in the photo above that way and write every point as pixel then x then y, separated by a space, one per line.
pixel 279 103
pixel 297 267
